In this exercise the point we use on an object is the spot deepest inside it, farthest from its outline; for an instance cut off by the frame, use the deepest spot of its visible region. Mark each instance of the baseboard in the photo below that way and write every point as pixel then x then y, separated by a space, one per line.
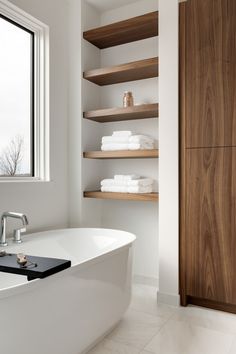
pixel 140 279
pixel 168 299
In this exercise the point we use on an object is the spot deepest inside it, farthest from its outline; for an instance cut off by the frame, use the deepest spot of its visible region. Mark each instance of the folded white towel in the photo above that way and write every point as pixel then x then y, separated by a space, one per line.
pixel 122 133
pixel 142 182
pixel 126 177
pixel 114 147
pixel 142 146
pixel 112 182
pixel 138 139
pixel 124 189
pixel 115 189
pixel 140 189
pixel 115 139
pixel 123 146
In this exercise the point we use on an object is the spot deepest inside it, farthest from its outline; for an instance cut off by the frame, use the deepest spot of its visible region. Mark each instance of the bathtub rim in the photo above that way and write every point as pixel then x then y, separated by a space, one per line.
pixel 31 285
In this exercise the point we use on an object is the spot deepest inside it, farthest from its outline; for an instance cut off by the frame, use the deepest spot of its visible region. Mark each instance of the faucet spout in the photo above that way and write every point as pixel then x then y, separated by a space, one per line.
pixel 9 214
pixel 20 216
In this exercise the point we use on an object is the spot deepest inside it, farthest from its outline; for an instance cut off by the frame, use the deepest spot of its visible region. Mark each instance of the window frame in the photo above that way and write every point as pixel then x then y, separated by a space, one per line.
pixel 40 90
pixel 32 98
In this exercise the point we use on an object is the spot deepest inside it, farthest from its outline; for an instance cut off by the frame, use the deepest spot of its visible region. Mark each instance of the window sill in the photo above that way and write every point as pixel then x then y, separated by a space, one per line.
pixel 23 180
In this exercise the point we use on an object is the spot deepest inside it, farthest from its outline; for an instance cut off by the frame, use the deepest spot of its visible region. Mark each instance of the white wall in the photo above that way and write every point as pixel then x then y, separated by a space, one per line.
pixel 46 204
pixel 169 142
pixel 83 134
pixel 75 122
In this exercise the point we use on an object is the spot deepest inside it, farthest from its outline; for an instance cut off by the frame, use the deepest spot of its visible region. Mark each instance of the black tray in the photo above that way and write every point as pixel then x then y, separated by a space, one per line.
pixel 41 268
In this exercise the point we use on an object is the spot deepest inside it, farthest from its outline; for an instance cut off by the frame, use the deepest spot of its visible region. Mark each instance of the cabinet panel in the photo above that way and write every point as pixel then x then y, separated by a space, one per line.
pixel 210 73
pixel 211 224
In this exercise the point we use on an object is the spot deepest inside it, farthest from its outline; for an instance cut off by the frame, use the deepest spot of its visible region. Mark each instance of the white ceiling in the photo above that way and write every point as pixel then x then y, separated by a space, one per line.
pixel 103 5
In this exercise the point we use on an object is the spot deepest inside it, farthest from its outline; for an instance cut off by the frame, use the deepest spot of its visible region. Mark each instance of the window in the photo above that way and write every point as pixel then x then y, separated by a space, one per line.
pixel 24 109
pixel 16 100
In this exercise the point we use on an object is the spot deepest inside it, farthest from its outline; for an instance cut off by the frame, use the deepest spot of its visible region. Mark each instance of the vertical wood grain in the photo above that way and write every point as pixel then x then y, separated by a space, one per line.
pixel 211 73
pixel 211 224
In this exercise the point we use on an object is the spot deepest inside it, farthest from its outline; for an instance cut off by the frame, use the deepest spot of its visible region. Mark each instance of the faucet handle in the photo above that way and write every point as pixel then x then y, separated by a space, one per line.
pixel 17 234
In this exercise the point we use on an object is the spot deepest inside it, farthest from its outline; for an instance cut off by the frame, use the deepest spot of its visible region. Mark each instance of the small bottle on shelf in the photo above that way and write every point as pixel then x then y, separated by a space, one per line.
pixel 128 100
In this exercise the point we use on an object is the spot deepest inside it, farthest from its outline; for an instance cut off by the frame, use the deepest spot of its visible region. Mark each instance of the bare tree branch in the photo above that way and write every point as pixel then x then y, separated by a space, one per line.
pixel 11 157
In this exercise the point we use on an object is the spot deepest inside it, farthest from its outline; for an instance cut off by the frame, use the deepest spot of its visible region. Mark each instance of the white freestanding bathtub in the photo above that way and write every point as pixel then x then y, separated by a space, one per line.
pixel 68 312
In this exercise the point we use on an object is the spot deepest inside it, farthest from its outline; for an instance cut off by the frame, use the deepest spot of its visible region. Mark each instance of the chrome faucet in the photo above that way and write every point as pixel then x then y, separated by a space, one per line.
pixel 17 232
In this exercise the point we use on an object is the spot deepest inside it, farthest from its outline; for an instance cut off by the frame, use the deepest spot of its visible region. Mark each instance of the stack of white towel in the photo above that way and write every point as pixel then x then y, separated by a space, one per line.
pixel 125 140
pixel 127 184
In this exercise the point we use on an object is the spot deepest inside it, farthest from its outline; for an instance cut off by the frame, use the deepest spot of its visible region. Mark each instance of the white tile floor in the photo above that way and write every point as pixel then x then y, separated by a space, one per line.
pixel 148 328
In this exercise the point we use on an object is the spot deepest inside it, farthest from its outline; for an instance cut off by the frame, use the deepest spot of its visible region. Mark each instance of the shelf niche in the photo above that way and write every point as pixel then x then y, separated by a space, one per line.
pixel 134 29
pixel 137 70
pixel 131 30
pixel 148 197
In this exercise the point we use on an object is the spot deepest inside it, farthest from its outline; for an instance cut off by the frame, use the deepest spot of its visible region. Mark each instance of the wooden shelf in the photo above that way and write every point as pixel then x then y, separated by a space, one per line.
pixel 118 114
pixel 149 197
pixel 122 32
pixel 137 70
pixel 124 154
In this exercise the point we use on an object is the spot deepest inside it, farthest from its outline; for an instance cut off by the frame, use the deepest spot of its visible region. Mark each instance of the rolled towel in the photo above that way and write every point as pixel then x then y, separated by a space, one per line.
pixel 120 133
pixel 138 139
pixel 143 182
pixel 114 147
pixel 142 146
pixel 115 140
pixel 126 177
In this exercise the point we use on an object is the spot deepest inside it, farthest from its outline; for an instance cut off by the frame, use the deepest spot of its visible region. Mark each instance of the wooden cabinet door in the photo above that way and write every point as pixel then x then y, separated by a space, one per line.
pixel 210 73
pixel 211 224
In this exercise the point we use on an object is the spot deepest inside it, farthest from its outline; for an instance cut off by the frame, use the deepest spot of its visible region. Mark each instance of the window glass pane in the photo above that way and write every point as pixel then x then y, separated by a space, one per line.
pixel 16 100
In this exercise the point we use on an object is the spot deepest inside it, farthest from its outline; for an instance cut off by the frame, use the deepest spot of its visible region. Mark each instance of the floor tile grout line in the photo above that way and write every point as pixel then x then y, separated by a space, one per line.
pixel 224 332
pixel 143 347
pixel 147 351
pixel 161 326
pixel 186 319
pixel 125 344
pixel 148 313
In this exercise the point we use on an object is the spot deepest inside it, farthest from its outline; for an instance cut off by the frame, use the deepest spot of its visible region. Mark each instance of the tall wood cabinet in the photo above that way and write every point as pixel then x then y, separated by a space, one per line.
pixel 208 153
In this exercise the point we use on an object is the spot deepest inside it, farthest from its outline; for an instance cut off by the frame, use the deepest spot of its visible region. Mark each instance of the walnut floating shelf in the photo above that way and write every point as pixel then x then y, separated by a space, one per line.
pixel 125 154
pixel 128 113
pixel 149 197
pixel 127 31
pixel 137 70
